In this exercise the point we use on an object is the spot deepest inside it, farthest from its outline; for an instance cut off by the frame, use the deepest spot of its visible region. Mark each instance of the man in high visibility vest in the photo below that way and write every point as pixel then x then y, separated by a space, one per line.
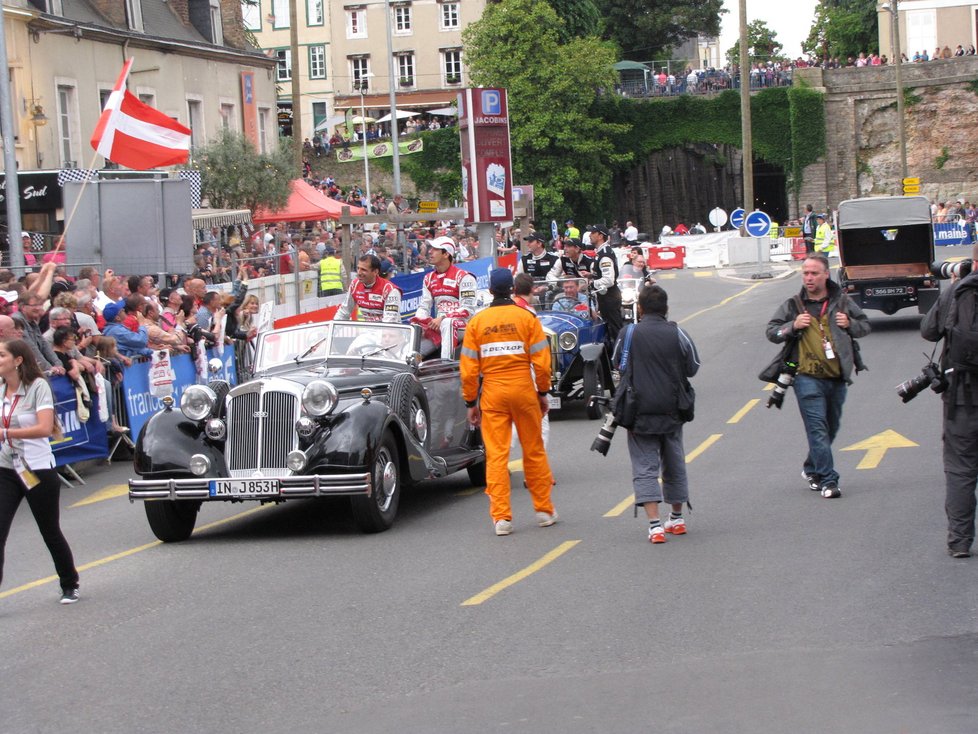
pixel 824 239
pixel 332 273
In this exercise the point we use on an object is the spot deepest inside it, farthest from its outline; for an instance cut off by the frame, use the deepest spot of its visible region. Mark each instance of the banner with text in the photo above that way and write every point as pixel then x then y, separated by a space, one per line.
pixel 378 150
pixel 81 441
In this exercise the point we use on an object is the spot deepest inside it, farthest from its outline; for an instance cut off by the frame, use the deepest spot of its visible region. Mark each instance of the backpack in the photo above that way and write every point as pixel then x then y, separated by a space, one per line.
pixel 962 331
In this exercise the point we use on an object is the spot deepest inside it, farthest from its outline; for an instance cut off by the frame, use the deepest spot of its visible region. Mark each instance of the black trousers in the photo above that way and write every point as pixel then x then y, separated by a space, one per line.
pixel 609 305
pixel 960 474
pixel 44 501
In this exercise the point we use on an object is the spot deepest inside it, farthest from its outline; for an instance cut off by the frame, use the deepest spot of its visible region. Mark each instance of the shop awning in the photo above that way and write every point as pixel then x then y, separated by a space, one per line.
pixel 207 218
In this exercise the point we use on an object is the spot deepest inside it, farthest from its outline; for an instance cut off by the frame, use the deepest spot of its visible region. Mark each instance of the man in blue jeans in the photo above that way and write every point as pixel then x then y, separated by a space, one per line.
pixel 825 323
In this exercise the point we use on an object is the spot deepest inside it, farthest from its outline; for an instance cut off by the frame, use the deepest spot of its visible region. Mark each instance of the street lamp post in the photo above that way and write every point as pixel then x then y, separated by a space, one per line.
pixel 898 78
pixel 393 95
pixel 362 88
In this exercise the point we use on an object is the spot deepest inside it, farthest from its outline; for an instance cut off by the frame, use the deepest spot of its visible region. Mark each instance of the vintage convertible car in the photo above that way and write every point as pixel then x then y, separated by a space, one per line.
pixel 334 409
pixel 581 365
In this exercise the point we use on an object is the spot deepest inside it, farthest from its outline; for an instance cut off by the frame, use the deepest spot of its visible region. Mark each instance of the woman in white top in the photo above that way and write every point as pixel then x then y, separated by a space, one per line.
pixel 26 461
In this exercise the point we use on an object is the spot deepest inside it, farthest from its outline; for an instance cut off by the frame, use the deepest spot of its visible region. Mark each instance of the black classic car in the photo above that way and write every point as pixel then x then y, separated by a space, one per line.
pixel 334 409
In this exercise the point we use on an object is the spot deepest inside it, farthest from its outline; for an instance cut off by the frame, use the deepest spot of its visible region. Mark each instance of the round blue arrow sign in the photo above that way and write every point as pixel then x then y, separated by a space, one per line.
pixel 553 229
pixel 737 218
pixel 757 224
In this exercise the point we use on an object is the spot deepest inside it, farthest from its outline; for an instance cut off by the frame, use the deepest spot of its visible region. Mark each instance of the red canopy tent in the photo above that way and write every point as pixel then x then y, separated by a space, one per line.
pixel 306 204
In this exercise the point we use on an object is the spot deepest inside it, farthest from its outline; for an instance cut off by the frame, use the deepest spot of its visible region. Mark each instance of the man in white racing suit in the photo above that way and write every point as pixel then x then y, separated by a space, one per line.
pixel 448 299
pixel 373 297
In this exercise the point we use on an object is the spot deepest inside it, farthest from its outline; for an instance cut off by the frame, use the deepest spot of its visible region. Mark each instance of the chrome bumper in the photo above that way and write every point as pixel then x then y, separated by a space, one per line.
pixel 313 485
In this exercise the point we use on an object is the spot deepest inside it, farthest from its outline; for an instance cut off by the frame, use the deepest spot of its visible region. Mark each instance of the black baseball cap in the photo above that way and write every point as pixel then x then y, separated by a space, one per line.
pixel 534 237
pixel 600 228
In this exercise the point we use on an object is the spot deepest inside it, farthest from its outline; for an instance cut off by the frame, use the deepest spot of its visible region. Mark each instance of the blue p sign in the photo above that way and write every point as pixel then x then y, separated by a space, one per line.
pixel 491 102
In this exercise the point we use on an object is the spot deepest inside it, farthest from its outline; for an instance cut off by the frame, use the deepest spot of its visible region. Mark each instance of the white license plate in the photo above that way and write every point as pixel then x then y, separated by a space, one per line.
pixel 244 488
pixel 895 290
pixel 554 402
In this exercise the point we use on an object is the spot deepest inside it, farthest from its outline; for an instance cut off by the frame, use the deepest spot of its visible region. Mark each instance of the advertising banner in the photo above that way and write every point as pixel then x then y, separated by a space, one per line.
pixel 249 109
pixel 39 191
pixel 140 404
pixel 81 441
pixel 952 233
pixel 378 150
pixel 487 169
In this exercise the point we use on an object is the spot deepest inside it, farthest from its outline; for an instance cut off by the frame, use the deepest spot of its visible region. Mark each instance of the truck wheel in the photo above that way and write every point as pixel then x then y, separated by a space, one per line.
pixel 592 386
pixel 477 474
pixel 375 513
pixel 171 521
pixel 408 402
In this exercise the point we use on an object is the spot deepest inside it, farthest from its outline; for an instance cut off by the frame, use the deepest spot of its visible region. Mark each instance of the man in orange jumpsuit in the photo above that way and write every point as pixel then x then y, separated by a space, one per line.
pixel 501 343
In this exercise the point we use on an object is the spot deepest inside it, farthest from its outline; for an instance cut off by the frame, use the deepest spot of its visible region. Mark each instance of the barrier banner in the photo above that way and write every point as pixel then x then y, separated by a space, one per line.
pixel 140 405
pixel 952 233
pixel 81 441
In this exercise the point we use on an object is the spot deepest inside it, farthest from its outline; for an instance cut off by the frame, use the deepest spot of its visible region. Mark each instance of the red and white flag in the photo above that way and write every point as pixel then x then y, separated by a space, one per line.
pixel 135 135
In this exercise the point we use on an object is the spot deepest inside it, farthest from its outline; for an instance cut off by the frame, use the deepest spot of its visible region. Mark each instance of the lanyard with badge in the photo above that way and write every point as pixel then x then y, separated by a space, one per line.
pixel 28 477
pixel 826 344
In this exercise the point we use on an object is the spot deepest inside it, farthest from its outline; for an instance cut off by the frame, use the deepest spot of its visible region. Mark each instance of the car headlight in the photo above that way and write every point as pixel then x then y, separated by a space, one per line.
pixel 215 429
pixel 197 402
pixel 200 464
pixel 296 460
pixel 567 340
pixel 627 296
pixel 319 398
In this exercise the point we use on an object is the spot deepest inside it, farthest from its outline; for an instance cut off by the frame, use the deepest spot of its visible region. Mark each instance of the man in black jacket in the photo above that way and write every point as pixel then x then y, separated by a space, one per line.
pixel 659 358
pixel 953 317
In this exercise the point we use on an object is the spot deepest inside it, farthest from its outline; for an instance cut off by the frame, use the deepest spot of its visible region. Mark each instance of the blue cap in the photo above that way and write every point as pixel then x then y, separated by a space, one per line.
pixel 501 280
pixel 110 312
pixel 386 266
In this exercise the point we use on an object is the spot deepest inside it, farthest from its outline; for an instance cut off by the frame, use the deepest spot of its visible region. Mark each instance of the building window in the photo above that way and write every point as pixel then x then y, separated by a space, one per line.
pixel 319 116
pixel 283 72
pixel 402 19
pixel 195 121
pixel 251 14
pixel 317 62
pixel 452 65
pixel 52 7
pixel 359 71
pixel 217 24
pixel 356 23
pixel 263 114
pixel 134 15
pixel 66 113
pixel 448 18
pixel 314 12
pixel 405 70
pixel 147 98
pixel 227 116
pixel 280 13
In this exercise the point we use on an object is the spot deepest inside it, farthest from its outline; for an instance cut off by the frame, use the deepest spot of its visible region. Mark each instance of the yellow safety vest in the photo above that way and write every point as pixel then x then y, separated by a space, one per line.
pixel 330 277
pixel 823 237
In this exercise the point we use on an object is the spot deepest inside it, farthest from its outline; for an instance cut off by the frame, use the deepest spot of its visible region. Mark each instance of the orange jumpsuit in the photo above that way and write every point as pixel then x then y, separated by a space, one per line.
pixel 501 343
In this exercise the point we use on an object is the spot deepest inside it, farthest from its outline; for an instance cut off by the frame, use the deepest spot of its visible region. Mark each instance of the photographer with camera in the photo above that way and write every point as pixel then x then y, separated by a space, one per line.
pixel 826 322
pixel 954 318
pixel 660 357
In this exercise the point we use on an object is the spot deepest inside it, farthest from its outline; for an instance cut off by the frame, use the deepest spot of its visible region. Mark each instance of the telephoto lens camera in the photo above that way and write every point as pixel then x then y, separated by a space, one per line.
pixel 931 376
pixel 948 270
pixel 196 333
pixel 602 442
pixel 781 385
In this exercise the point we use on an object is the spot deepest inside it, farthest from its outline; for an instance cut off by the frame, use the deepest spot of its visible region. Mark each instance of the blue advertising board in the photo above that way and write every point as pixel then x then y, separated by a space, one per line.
pixel 81 441
pixel 140 405
pixel 952 233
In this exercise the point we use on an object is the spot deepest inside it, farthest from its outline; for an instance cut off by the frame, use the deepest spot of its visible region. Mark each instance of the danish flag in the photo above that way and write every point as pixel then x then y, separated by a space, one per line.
pixel 135 135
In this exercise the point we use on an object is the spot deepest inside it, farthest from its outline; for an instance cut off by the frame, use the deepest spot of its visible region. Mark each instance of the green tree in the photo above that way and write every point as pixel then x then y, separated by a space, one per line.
pixel 559 143
pixel 234 176
pixel 762 44
pixel 643 29
pixel 843 28
pixel 577 18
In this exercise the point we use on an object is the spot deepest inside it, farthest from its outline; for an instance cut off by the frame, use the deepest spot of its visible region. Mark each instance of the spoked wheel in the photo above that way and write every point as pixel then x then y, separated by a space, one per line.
pixel 376 513
pixel 592 386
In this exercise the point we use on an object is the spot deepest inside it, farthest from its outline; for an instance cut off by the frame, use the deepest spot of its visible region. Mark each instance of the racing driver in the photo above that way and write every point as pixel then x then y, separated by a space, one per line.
pixel 447 299
pixel 375 298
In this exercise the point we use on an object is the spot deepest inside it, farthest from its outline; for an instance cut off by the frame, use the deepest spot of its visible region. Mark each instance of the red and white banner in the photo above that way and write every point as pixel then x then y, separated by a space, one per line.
pixel 135 135
pixel 487 167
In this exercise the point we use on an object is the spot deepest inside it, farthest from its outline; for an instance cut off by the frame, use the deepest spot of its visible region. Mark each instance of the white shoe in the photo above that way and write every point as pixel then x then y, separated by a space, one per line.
pixel 546 519
pixel 503 527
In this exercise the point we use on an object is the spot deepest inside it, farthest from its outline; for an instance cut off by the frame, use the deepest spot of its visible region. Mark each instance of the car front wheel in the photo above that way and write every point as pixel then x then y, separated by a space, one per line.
pixel 171 521
pixel 375 513
pixel 592 386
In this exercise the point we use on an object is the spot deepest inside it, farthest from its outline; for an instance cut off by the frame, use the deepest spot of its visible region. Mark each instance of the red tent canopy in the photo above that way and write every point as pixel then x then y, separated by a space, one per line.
pixel 306 204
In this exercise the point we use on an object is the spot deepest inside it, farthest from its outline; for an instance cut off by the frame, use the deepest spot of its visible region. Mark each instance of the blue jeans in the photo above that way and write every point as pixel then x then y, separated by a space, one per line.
pixel 820 402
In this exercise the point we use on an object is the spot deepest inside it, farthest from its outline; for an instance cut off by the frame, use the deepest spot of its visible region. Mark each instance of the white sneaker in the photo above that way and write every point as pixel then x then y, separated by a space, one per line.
pixel 546 519
pixel 503 527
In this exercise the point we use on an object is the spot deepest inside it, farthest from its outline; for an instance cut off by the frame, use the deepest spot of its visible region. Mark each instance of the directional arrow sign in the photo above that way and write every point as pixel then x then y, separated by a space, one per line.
pixel 757 224
pixel 553 229
pixel 737 218
pixel 876 446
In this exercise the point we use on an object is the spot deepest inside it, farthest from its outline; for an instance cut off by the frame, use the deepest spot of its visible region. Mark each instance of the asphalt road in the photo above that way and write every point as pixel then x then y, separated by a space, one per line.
pixel 780 611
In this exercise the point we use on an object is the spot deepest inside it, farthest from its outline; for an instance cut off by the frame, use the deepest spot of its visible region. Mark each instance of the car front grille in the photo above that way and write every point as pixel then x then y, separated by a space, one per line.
pixel 261 433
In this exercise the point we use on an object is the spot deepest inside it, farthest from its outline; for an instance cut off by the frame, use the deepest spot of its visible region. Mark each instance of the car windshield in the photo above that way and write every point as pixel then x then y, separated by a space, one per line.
pixel 316 342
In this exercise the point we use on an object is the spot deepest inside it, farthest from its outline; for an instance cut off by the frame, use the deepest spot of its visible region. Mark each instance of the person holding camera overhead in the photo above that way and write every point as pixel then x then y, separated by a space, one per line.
pixel 825 321
pixel 954 318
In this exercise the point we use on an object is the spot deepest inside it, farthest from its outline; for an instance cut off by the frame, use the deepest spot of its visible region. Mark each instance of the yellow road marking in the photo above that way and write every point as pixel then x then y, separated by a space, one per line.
pixel 877 446
pixel 768 387
pixel 724 302
pixel 110 492
pixel 516 465
pixel 520 575
pixel 703 273
pixel 630 500
pixel 665 276
pixel 743 411
pixel 125 553
pixel 468 492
